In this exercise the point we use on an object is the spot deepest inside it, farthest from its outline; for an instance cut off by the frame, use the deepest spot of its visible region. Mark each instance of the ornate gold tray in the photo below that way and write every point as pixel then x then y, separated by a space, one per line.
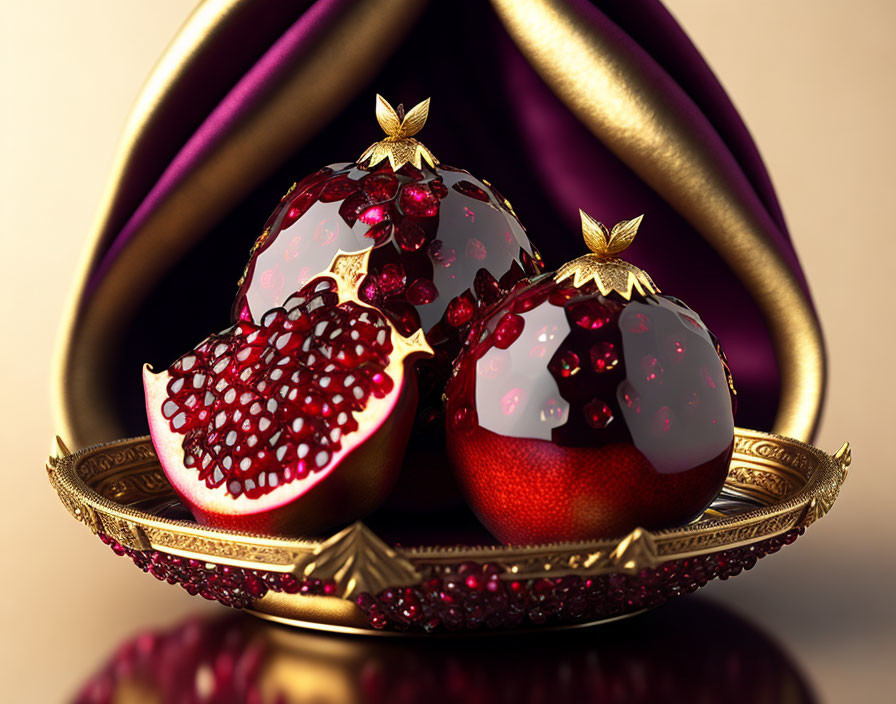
pixel 355 582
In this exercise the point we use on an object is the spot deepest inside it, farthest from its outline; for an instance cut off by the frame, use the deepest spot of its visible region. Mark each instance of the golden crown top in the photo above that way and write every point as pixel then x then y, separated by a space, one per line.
pixel 399 147
pixel 602 266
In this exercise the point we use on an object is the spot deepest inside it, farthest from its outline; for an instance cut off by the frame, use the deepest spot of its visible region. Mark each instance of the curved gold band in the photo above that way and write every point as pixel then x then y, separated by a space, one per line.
pixel 602 86
pixel 292 115
pixel 613 97
pixel 112 488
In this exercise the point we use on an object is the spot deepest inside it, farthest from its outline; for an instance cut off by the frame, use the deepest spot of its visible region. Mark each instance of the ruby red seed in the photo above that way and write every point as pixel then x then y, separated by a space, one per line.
pixel 508 330
pixel 232 586
pixel 470 595
pixel 262 405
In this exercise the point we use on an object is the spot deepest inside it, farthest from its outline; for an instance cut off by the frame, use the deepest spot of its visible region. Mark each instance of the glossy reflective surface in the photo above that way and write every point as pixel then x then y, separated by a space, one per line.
pixel 573 415
pixel 691 650
pixel 443 239
pixel 675 399
pixel 580 369
pixel 838 624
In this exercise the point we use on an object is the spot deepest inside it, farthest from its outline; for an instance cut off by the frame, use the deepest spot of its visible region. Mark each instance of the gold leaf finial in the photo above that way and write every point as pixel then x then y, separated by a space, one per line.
pixel 396 125
pixel 398 146
pixel 602 266
pixel 608 244
pixel 387 117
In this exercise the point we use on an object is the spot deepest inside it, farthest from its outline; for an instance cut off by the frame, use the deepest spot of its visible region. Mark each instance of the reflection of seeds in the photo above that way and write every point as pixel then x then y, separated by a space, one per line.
pixel 553 412
pixel 653 370
pixel 598 414
pixel 476 250
pixel 565 365
pixel 604 357
pixel 628 397
pixel 637 324
pixel 662 422
pixel 492 364
pixel 512 400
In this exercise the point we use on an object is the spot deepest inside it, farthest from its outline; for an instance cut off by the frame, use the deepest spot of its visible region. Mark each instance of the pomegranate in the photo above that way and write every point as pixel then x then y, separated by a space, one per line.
pixel 442 241
pixel 586 404
pixel 292 424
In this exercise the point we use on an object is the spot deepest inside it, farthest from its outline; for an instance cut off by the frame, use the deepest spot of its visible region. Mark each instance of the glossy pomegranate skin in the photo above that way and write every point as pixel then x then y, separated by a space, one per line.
pixel 573 416
pixel 444 241
pixel 292 425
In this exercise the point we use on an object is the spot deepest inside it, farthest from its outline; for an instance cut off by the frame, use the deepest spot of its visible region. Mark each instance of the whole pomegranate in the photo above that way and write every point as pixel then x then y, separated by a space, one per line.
pixel 295 423
pixel 585 404
pixel 443 242
pixel 442 239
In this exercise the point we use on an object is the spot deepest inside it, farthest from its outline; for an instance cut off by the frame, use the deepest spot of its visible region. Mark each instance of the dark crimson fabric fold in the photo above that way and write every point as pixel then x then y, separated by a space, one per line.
pixel 226 56
pixel 493 115
pixel 244 97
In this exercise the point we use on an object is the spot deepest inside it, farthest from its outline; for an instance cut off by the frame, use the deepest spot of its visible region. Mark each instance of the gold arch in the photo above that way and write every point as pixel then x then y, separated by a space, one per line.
pixel 601 85
pixel 612 96
pixel 293 113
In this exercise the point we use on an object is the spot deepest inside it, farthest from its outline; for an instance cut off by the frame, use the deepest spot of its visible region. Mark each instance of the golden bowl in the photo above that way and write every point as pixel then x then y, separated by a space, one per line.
pixel 354 582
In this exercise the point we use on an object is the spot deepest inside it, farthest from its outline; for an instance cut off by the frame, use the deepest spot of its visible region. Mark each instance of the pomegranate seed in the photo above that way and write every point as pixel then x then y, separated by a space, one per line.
pixel 604 357
pixel 421 292
pixel 471 190
pixel 380 187
pixel 565 365
pixel 338 188
pixel 590 315
pixel 410 235
pixel 460 311
pixel 598 414
pixel 418 200
pixel 508 330
pixel 392 279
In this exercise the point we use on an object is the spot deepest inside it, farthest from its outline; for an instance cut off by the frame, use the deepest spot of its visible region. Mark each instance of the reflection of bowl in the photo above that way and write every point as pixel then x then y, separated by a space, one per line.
pixel 692 650
pixel 353 581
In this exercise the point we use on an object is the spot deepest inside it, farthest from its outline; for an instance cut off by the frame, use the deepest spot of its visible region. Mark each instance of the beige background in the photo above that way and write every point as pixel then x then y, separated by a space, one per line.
pixel 814 82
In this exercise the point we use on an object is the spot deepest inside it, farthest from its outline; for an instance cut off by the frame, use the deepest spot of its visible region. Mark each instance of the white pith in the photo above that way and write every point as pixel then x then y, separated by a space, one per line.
pixel 347 269
pixel 218 500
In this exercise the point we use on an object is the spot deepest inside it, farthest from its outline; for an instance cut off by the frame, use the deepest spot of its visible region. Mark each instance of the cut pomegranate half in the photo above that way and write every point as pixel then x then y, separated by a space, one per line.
pixel 295 423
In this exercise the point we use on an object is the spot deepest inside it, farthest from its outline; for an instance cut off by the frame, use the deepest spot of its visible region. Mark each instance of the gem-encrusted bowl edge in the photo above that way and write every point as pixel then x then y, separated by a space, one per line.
pixel 429 588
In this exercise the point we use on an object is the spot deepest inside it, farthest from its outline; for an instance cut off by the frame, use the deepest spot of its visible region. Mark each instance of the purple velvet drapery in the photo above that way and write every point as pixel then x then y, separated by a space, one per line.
pixel 491 114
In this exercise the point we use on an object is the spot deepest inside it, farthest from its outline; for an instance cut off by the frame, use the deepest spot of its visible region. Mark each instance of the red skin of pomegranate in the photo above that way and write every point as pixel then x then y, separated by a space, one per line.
pixel 292 425
pixel 574 416
pixel 444 243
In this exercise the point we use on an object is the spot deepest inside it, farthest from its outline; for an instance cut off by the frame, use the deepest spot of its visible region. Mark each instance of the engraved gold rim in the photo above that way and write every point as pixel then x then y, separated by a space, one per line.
pixel 795 484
